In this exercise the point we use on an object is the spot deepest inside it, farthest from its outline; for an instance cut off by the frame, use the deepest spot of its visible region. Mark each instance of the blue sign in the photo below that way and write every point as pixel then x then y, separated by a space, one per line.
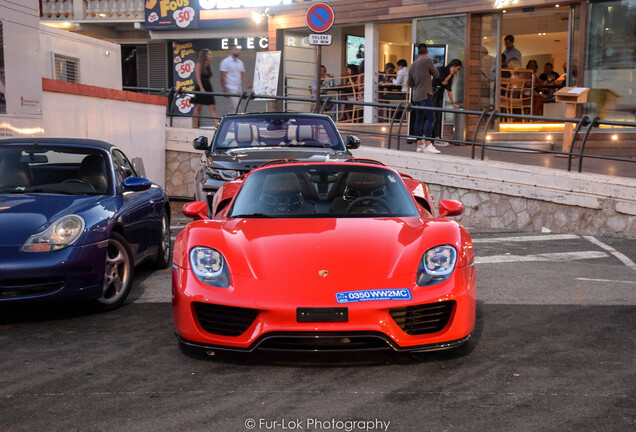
pixel 374 295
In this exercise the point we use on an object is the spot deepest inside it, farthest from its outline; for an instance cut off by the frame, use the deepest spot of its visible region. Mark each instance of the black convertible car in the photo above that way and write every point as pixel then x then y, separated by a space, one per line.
pixel 243 142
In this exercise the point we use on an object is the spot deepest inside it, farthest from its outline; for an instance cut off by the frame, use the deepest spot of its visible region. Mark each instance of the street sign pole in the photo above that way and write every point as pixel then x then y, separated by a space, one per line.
pixel 318 80
pixel 319 18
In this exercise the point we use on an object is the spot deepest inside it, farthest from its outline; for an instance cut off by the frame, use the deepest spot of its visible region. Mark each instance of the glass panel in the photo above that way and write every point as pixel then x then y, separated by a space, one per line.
pixel 3 102
pixel 451 31
pixel 488 60
pixel 610 67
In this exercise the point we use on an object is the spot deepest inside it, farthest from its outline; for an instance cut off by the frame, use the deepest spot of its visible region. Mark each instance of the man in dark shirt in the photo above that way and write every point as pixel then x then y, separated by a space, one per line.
pixel 420 80
pixel 549 75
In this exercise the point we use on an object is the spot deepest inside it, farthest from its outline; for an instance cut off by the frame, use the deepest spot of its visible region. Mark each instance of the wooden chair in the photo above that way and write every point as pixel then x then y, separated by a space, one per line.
pixel 515 94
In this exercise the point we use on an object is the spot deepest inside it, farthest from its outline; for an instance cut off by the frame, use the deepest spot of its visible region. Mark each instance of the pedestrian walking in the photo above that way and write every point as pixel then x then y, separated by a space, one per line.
pixel 233 76
pixel 419 79
pixel 203 74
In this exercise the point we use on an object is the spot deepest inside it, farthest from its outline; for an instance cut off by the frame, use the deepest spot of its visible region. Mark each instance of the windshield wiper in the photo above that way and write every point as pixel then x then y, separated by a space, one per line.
pixel 252 215
pixel 49 190
pixel 12 191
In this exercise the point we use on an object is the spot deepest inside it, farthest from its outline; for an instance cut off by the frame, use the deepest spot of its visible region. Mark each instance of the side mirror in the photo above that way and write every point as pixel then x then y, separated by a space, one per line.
pixel 137 184
pixel 196 210
pixel 450 208
pixel 353 142
pixel 200 143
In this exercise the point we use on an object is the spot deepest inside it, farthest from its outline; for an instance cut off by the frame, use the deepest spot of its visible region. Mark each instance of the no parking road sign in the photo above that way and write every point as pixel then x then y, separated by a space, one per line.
pixel 320 17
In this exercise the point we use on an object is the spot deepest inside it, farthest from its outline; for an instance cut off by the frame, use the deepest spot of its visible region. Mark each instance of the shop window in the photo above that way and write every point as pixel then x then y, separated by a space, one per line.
pixel 3 102
pixel 610 66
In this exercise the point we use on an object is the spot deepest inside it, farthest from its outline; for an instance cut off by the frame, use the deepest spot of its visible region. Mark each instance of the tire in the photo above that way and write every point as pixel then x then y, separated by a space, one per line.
pixel 119 272
pixel 163 254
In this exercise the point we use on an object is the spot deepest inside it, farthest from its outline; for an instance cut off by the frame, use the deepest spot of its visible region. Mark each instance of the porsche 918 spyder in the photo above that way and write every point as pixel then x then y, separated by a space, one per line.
pixel 323 256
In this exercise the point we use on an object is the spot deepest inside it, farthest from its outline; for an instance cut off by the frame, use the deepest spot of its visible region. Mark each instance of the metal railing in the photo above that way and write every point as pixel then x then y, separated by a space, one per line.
pixel 485 119
pixel 93 10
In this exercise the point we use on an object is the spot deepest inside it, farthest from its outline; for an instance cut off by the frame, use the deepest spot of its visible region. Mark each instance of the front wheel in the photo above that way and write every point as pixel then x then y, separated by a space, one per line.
pixel 118 276
pixel 163 255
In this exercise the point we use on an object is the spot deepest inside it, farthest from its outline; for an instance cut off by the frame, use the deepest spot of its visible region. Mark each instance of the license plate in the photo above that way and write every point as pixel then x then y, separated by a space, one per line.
pixel 318 315
pixel 374 295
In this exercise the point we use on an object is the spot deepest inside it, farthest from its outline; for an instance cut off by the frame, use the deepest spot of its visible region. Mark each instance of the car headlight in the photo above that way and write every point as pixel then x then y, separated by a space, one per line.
pixel 209 266
pixel 221 174
pixel 436 265
pixel 62 233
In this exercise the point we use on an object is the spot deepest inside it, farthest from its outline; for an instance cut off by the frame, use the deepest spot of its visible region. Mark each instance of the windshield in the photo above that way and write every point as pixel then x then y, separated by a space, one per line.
pixel 323 191
pixel 51 169
pixel 243 131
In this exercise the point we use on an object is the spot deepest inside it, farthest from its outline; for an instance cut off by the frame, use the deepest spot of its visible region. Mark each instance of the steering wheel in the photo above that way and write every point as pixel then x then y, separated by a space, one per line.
pixel 382 204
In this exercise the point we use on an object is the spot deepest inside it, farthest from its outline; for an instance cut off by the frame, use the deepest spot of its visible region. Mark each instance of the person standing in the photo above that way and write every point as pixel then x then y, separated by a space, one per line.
pixel 419 78
pixel 511 52
pixel 202 75
pixel 233 76
pixel 444 82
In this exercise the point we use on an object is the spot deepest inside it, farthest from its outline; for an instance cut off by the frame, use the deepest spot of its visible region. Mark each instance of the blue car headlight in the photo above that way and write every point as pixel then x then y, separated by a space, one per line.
pixel 209 266
pixel 61 234
pixel 436 265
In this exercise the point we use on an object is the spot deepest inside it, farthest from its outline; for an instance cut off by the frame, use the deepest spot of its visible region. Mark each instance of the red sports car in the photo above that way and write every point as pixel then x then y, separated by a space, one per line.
pixel 323 256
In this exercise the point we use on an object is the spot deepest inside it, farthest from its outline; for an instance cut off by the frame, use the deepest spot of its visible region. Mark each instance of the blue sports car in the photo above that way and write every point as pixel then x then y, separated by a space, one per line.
pixel 75 219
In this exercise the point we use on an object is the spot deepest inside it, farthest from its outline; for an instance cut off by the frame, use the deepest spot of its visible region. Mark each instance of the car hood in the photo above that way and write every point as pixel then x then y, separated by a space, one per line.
pixel 250 158
pixel 25 214
pixel 310 259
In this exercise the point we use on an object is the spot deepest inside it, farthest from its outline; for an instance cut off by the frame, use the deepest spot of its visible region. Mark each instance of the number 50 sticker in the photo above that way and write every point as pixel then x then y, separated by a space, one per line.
pixel 184 104
pixel 185 68
pixel 183 17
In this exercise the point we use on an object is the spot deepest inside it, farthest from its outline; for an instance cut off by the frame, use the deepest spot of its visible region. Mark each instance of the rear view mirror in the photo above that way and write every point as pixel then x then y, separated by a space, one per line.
pixel 200 143
pixel 450 208
pixel 34 158
pixel 353 142
pixel 196 210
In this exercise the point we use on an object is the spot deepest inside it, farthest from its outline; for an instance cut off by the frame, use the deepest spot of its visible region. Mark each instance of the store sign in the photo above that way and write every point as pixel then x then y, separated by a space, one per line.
pixel 231 4
pixel 187 14
pixel 183 61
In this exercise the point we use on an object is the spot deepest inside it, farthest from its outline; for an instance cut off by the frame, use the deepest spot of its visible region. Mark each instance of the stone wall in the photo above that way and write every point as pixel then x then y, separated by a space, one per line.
pixel 499 195
pixel 496 195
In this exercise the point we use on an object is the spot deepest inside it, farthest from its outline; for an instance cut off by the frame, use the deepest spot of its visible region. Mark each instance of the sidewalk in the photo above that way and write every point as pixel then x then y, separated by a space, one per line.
pixel 590 165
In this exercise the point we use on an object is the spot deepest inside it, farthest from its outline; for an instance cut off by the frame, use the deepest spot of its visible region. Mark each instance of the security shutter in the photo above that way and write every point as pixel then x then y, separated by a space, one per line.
pixel 157 65
pixel 142 65
pixel 66 68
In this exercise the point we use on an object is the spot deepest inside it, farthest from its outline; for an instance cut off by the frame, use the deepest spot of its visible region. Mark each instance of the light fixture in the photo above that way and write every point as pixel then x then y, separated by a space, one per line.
pixel 614 137
pixel 488 137
pixel 548 138
pixel 103 15
pixel 257 17
pixel 556 5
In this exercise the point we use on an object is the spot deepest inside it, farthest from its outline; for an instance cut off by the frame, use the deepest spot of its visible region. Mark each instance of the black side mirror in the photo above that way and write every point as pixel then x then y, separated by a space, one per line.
pixel 200 143
pixel 353 142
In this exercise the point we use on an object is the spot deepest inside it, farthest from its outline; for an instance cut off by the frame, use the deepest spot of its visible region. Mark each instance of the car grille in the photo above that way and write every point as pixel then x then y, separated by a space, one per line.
pixel 323 341
pixel 11 288
pixel 423 319
pixel 224 320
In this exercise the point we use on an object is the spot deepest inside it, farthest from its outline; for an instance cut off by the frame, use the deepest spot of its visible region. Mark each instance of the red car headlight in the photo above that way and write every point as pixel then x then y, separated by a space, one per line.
pixel 209 266
pixel 436 265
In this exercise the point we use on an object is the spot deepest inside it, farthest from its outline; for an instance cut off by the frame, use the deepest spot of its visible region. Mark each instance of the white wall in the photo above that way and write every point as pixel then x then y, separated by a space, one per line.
pixel 137 128
pixel 100 61
pixel 22 80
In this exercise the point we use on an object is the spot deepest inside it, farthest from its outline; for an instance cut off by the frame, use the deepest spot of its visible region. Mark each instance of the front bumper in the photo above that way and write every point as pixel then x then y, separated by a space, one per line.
pixel 73 272
pixel 275 326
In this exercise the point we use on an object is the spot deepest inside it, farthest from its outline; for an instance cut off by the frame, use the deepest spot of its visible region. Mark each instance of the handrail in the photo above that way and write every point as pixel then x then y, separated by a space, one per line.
pixel 405 107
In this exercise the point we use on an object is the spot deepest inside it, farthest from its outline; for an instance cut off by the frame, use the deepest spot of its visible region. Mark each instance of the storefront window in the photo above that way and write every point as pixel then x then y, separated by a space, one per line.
pixel 450 31
pixel 610 67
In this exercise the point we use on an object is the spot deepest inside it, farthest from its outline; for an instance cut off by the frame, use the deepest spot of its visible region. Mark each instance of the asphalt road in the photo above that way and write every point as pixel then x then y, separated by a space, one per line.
pixel 555 352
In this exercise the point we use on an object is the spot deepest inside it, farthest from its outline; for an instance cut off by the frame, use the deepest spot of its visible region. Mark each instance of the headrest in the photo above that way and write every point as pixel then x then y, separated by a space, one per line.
pixel 243 133
pixel 304 133
pixel 365 181
pixel 281 184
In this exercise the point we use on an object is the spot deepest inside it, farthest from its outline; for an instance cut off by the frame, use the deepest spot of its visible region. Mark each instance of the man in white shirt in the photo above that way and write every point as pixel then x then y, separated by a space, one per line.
pixel 402 76
pixel 233 75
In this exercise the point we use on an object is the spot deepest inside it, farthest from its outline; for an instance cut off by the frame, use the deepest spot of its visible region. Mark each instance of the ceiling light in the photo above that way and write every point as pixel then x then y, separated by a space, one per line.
pixel 257 17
